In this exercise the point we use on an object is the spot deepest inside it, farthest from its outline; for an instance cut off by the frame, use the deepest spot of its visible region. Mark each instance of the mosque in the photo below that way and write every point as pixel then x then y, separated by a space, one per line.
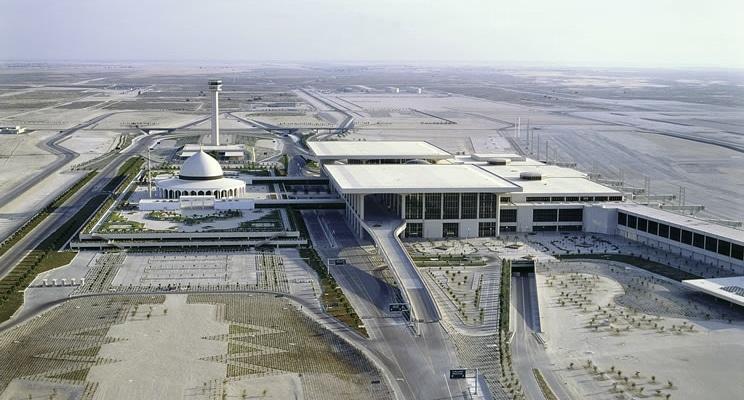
pixel 200 175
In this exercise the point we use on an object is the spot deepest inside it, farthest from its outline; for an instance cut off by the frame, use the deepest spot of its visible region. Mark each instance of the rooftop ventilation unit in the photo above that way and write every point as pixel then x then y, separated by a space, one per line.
pixel 530 176
pixel 498 161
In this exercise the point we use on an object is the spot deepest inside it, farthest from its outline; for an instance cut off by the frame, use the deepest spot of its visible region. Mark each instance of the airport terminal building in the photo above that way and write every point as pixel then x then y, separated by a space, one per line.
pixel 440 195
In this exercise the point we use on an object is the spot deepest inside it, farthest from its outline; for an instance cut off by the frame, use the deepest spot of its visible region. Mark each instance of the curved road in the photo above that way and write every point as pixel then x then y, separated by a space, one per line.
pixel 52 222
pixel 51 145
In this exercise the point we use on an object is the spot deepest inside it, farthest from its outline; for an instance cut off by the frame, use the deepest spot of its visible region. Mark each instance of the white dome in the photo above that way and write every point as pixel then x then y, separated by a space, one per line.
pixel 201 166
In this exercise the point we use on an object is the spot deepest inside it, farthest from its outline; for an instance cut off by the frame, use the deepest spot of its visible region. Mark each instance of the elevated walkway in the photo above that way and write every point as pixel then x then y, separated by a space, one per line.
pixel 385 235
pixel 300 203
pixel 297 180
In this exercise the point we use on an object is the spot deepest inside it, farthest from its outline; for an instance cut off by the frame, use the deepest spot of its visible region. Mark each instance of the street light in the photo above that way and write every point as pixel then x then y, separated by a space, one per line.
pixel 149 169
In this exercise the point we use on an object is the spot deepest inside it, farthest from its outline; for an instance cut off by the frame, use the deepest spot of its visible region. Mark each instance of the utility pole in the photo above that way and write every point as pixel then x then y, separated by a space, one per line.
pixel 519 127
pixel 149 174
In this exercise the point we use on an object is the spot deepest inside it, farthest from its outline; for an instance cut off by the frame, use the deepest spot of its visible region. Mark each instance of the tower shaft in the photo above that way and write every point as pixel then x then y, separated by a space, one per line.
pixel 215 87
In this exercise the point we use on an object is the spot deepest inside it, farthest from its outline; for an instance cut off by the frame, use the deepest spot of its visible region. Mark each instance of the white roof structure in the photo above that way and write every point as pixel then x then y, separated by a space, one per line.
pixel 378 150
pixel 415 178
pixel 686 221
pixel 554 180
pixel 207 185
pixel 208 147
pixel 201 166
pixel 730 289
pixel 514 169
pixel 564 187
pixel 201 175
pixel 229 150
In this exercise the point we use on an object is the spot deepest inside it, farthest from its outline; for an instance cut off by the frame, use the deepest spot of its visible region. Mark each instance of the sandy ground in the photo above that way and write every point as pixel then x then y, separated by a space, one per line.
pixel 91 144
pixel 708 173
pixel 21 160
pixel 151 119
pixel 21 389
pixel 17 211
pixel 160 356
pixel 702 363
pixel 608 142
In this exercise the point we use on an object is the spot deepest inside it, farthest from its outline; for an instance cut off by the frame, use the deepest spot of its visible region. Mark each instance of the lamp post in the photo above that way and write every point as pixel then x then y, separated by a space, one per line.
pixel 149 174
pixel 149 169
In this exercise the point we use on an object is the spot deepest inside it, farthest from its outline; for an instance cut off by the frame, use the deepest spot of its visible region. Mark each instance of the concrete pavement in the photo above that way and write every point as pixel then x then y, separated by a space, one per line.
pixel 527 351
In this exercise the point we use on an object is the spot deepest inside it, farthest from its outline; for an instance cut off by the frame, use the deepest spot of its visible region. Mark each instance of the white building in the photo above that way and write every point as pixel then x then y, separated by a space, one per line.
pixel 376 152
pixel 224 152
pixel 422 191
pixel 687 236
pixel 11 130
pixel 440 195
pixel 200 175
pixel 435 200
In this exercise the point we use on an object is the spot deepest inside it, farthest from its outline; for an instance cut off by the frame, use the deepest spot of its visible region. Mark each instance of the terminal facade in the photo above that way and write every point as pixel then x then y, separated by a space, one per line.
pixel 440 195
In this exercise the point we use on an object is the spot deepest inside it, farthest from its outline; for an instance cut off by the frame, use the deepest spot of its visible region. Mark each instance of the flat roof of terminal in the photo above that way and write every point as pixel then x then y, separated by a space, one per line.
pixel 733 292
pixel 416 178
pixel 513 169
pixel 564 187
pixel 555 180
pixel 337 150
pixel 709 228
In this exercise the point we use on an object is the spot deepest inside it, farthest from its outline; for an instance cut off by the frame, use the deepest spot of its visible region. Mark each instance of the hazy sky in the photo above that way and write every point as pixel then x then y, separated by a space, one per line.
pixel 572 32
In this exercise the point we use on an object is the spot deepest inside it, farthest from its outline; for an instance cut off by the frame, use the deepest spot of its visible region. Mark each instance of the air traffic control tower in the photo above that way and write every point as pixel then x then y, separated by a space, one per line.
pixel 215 86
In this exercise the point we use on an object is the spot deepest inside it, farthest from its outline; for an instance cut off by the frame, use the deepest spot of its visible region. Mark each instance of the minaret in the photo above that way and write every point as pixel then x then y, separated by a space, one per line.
pixel 215 86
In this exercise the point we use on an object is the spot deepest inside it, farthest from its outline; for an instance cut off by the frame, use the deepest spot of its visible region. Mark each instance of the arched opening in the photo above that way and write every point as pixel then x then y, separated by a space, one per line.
pixel 209 193
pixel 224 193
pixel 193 193
pixel 201 193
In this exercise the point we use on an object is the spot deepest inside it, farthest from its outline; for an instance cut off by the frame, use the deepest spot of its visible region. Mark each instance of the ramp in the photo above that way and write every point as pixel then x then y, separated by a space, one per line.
pixel 385 235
